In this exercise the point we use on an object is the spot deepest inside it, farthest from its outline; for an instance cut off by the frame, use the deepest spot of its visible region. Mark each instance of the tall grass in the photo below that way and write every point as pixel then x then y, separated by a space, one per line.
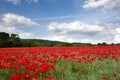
pixel 106 69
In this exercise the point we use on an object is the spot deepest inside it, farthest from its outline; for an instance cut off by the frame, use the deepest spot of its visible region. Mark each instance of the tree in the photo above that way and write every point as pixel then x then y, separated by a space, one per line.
pixel 99 44
pixel 112 44
pixel 102 44
pixel 4 39
pixel 15 40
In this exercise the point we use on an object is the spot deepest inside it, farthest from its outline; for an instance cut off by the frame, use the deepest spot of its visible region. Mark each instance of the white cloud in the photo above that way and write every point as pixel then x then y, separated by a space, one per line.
pixel 63 28
pixel 117 36
pixel 19 1
pixel 62 38
pixel 95 3
pixel 17 20
pixel 32 1
pixel 73 32
pixel 102 3
pixel 8 29
pixel 118 30
pixel 91 41
pixel 26 35
pixel 14 1
pixel 118 18
pixel 113 4
pixel 11 23
pixel 81 32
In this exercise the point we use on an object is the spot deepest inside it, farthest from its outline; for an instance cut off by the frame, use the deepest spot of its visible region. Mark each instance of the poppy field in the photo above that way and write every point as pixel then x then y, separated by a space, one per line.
pixel 60 63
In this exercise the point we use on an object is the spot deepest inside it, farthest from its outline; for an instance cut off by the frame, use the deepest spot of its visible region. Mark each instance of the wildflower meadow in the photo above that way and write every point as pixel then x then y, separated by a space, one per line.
pixel 60 63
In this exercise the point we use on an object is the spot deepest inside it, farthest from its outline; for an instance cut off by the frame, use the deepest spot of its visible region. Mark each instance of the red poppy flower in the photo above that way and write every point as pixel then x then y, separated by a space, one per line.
pixel 104 78
pixel 114 75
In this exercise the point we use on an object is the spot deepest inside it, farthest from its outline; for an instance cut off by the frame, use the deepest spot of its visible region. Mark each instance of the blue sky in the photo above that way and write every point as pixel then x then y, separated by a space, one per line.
pixel 62 20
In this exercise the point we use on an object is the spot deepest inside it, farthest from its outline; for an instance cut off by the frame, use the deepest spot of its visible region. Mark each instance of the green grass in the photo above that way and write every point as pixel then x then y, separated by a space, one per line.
pixel 72 70
pixel 80 71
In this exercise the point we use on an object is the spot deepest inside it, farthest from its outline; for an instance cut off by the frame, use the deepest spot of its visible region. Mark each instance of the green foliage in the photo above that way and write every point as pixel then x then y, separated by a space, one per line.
pixel 9 41
pixel 102 44
pixel 4 39
pixel 72 70
pixel 81 71
pixel 63 45
pixel 15 40
pixel 5 74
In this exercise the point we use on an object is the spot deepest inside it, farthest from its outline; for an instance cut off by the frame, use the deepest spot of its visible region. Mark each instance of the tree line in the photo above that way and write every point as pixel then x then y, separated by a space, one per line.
pixel 14 40
pixel 7 40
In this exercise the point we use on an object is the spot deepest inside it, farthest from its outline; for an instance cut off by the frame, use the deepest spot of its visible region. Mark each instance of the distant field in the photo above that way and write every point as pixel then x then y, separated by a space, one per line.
pixel 55 63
